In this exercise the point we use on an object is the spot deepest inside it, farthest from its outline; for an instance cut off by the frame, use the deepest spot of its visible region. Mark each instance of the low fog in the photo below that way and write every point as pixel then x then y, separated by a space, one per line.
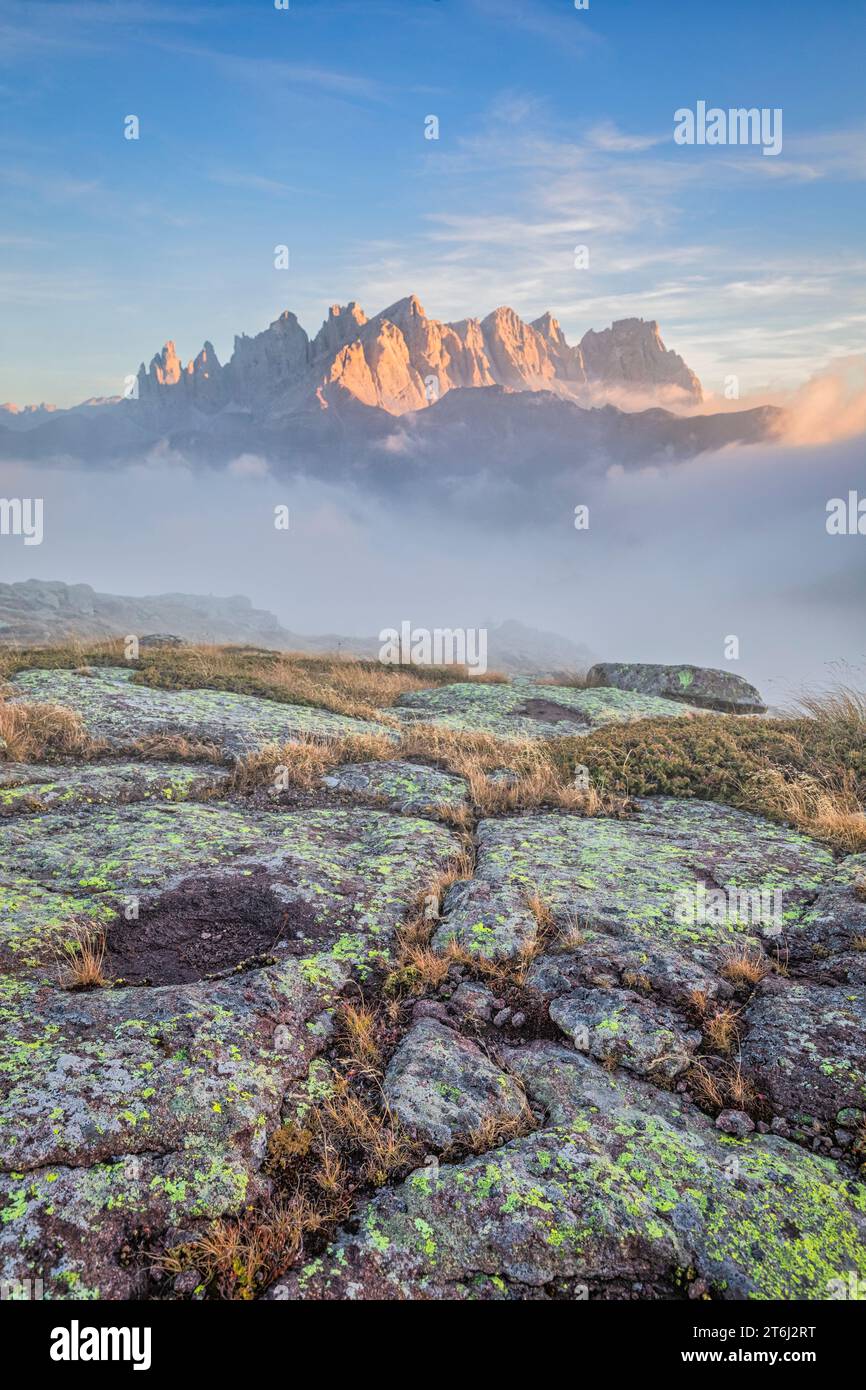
pixel 676 558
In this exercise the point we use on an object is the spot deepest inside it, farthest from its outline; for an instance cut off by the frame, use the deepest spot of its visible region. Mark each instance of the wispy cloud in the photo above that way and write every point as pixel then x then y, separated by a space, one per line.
pixel 514 200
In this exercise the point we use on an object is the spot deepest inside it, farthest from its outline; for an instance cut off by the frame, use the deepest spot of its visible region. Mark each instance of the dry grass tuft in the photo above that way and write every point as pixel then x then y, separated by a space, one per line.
pixel 700 1002
pixel 636 979
pixel 721 1029
pixel 37 732
pixel 360 1028
pixel 718 1090
pixel 419 970
pixel 83 957
pixel 176 748
pixel 741 1093
pixel 240 1258
pixel 570 936
pixel 460 817
pixel 843 707
pixel 572 680
pixel 495 1130
pixel 831 813
pixel 542 912
pixel 304 761
pixel 744 966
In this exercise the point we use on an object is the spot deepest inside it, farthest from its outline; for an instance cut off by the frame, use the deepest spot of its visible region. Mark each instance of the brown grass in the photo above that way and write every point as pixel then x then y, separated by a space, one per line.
pixel 540 780
pixel 319 1165
pixel 347 685
pixel 636 979
pixel 721 1029
pixel 240 1258
pixel 700 1002
pixel 360 1028
pixel 720 1090
pixel 304 761
pixel 741 1093
pixel 542 912
pixel 831 813
pixel 495 1130
pixel 570 936
pixel 744 966
pixel 37 732
pixel 82 957
pixel 176 748
pixel 419 970
pixel 842 707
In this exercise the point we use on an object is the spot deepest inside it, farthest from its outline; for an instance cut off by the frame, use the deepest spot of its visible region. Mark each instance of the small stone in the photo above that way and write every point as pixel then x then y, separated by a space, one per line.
pixel 428 1008
pixel 835 1152
pixel 471 1000
pixel 518 1019
pixel 500 1019
pixel 698 1289
pixel 187 1282
pixel 763 1127
pixel 843 1137
pixel 735 1122
pixel 780 1126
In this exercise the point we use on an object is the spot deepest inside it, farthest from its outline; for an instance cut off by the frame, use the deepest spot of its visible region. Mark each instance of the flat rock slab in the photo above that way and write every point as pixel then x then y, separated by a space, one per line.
pixel 626 1183
pixel 638 878
pixel 698 685
pixel 137 1107
pixel 28 788
pixel 805 1048
pixel 117 711
pixel 442 1087
pixel 525 709
pixel 401 786
pixel 352 866
pixel 603 961
pixel 620 1028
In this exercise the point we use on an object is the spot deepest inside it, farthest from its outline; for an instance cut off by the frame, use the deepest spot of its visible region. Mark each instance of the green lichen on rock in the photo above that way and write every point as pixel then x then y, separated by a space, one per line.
pixel 631 877
pixel 624 1183
pixel 525 709
pixel 117 711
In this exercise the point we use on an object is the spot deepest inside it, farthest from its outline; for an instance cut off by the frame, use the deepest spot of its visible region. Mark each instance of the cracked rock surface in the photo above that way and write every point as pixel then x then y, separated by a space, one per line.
pixel 677 1126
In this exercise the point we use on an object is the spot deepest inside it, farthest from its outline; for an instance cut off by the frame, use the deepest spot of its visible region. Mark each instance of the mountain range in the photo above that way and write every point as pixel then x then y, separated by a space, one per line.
pixel 399 383
pixel 37 611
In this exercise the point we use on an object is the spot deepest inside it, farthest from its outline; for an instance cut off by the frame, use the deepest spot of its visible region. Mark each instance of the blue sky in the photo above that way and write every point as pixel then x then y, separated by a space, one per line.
pixel 306 127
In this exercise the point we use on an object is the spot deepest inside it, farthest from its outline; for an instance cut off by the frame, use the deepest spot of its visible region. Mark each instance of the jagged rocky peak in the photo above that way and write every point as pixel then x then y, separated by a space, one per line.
pixel 206 364
pixel 550 330
pixel 340 327
pixel 165 367
pixel 404 310
pixel 631 352
pixel 270 362
pixel 400 360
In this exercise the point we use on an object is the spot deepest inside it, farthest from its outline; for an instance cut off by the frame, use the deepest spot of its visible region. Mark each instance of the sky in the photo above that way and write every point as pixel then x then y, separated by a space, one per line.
pixel 306 128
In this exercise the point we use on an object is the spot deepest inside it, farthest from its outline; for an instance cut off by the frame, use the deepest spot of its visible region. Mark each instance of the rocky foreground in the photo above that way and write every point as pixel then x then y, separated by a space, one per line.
pixel 579 1118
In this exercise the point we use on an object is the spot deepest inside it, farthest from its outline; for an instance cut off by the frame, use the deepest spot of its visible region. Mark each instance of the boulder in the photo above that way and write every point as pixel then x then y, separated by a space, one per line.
pixel 697 685
pixel 442 1087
